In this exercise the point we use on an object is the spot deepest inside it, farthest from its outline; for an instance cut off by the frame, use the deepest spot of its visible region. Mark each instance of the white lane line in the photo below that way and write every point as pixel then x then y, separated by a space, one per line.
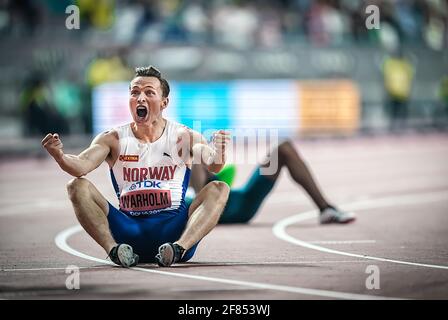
pixel 279 229
pixel 282 197
pixel 217 264
pixel 49 269
pixel 202 290
pixel 212 264
pixel 61 242
pixel 343 241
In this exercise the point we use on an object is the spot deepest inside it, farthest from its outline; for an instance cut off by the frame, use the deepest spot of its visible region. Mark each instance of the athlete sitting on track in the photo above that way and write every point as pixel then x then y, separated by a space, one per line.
pixel 150 161
pixel 243 203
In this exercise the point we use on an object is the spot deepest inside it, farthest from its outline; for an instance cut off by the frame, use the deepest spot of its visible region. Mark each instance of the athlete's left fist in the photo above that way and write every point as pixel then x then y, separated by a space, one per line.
pixel 220 140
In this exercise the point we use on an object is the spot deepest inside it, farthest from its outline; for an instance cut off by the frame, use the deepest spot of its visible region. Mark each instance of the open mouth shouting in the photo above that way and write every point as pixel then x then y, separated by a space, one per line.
pixel 142 112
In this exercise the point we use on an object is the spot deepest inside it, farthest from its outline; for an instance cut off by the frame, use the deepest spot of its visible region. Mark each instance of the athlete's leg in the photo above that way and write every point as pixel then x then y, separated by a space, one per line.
pixel 199 177
pixel 289 157
pixel 244 202
pixel 204 213
pixel 91 209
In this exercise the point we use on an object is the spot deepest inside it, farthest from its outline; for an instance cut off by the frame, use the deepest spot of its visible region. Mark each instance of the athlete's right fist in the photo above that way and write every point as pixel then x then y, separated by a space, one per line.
pixel 54 145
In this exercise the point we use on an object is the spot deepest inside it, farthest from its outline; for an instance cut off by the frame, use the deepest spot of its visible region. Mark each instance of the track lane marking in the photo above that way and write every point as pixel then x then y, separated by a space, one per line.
pixel 47 269
pixel 279 229
pixel 342 241
pixel 61 242
pixel 212 264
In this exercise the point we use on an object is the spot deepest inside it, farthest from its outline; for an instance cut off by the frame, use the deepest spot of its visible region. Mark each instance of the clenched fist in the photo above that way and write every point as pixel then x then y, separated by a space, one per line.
pixel 214 152
pixel 54 145
pixel 221 139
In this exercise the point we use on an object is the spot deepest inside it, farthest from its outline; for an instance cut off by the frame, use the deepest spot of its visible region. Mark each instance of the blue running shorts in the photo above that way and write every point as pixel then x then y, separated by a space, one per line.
pixel 146 233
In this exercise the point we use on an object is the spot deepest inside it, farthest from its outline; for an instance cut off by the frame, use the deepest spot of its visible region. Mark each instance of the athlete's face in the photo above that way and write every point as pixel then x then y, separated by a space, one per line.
pixel 146 100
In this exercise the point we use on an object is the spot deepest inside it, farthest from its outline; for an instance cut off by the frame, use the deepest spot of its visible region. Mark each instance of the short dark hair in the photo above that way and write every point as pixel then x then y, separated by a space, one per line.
pixel 153 72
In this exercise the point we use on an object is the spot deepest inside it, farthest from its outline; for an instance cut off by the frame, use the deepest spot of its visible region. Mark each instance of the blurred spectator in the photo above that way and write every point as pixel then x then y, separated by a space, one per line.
pixel 316 28
pixel 149 14
pixel 398 77
pixel 270 31
pixel 127 19
pixel 239 24
pixel 67 97
pixel 24 16
pixel 39 115
pixel 406 19
pixel 108 67
pixel 444 93
pixel 195 21
pixel 245 23
pixel 235 25
pixel 57 6
pixel 440 118
pixel 97 13
pixel 435 30
pixel 328 24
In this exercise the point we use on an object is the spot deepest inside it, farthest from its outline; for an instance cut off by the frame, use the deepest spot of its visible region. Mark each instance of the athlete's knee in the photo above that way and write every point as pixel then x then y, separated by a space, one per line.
pixel 77 187
pixel 220 187
pixel 218 190
pixel 286 147
pixel 286 150
pixel 277 158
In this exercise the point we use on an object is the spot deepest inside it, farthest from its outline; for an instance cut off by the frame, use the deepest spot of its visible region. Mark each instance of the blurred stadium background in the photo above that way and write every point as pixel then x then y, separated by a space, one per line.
pixel 367 107
pixel 307 68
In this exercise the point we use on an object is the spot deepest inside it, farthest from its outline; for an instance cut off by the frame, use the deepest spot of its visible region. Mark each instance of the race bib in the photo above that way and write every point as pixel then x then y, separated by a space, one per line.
pixel 146 196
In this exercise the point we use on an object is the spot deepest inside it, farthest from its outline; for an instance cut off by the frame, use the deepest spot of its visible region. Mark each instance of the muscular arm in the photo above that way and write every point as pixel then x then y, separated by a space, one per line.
pixel 219 155
pixel 87 160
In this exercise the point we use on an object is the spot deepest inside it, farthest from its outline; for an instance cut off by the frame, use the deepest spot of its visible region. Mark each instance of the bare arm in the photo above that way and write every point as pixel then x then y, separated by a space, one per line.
pixel 86 161
pixel 213 157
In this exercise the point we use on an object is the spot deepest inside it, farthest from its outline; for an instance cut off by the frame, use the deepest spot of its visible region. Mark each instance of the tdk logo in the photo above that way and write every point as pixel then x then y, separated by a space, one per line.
pixel 148 184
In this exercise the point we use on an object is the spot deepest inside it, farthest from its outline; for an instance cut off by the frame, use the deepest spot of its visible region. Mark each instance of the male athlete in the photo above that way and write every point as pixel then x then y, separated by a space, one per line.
pixel 244 202
pixel 150 170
